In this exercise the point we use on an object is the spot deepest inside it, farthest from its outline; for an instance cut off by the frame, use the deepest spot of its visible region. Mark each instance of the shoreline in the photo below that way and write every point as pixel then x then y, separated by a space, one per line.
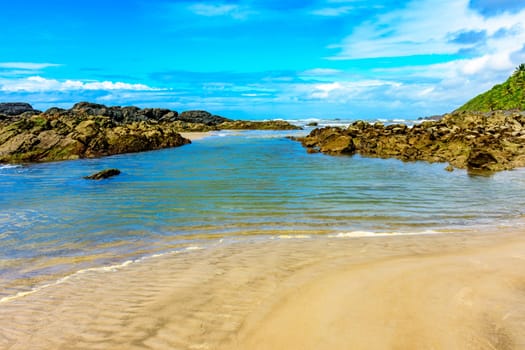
pixel 243 294
pixel 195 135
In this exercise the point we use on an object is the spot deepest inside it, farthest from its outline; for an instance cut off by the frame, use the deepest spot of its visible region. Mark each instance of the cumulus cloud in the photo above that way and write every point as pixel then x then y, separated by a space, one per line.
pixel 40 84
pixel 427 27
pixel 495 7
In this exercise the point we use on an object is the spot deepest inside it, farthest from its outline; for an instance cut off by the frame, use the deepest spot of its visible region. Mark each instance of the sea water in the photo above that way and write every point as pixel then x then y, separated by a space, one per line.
pixel 228 186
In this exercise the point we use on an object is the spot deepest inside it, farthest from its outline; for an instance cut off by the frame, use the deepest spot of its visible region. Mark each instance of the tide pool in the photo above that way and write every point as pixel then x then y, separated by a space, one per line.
pixel 231 185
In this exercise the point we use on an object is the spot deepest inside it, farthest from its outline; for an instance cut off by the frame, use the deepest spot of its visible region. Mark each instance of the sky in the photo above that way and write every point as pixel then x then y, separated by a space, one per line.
pixel 255 59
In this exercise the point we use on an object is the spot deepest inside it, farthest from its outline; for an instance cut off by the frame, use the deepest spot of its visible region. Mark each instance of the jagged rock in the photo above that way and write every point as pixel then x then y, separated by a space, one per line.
pixel 90 130
pixel 201 117
pixel 16 108
pixel 104 174
pixel 257 125
pixel 68 136
pixel 489 141
pixel 480 160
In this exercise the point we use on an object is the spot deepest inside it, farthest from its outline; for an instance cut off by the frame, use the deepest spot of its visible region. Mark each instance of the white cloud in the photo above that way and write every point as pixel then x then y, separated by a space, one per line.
pixel 339 92
pixel 429 27
pixel 27 65
pixel 333 11
pixel 39 84
pixel 212 10
pixel 425 27
pixel 320 73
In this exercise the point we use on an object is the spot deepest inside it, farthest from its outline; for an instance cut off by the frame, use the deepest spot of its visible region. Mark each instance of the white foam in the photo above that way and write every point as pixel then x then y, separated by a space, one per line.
pixel 9 166
pixel 294 236
pixel 111 268
pixel 356 234
pixel 194 248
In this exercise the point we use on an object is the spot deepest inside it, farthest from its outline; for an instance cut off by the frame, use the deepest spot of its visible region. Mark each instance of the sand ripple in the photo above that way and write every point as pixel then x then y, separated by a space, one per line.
pixel 414 292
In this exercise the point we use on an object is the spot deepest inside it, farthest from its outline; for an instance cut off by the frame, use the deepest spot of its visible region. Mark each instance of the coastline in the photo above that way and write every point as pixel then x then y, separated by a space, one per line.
pixel 457 290
pixel 194 135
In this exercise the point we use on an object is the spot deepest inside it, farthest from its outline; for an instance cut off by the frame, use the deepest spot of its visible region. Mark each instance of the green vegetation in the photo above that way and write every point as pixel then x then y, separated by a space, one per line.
pixel 509 95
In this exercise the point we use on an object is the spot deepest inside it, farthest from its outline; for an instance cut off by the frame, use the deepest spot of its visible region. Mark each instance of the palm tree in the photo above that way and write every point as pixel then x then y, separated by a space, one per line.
pixel 520 70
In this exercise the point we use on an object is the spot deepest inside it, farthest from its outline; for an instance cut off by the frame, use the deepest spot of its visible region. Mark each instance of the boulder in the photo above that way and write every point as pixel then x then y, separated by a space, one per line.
pixel 104 174
pixel 342 144
pixel 489 141
pixel 16 108
pixel 257 125
pixel 201 117
pixel 89 130
pixel 480 160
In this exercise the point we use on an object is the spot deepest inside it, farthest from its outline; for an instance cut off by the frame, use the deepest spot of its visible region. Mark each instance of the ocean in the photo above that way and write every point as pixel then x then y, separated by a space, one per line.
pixel 230 186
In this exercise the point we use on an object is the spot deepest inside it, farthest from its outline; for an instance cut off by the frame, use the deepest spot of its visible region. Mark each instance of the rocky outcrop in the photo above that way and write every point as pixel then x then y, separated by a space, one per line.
pixel 90 130
pixel 257 125
pixel 46 137
pixel 104 174
pixel 490 141
pixel 202 117
pixel 16 108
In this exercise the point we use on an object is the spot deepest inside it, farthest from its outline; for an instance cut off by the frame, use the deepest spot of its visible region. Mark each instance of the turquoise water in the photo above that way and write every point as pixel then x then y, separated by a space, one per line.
pixel 232 184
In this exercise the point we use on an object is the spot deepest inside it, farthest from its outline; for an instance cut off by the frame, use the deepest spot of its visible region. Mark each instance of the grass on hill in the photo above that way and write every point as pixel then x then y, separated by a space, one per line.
pixel 506 96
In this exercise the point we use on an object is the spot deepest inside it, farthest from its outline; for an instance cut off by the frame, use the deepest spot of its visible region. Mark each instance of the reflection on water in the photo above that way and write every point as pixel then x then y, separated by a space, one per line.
pixel 53 222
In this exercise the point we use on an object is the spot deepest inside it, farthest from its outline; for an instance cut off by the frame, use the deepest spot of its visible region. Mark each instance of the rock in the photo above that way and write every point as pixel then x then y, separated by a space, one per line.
pixel 104 174
pixel 90 130
pixel 69 136
pixel 480 160
pixel 312 124
pixel 476 141
pixel 202 117
pixel 16 108
pixel 341 144
pixel 257 125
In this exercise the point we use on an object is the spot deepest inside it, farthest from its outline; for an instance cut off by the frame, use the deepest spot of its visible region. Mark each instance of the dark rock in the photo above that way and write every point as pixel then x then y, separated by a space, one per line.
pixel 16 108
pixel 480 160
pixel 202 117
pixel 91 130
pixel 257 125
pixel 432 117
pixel 312 124
pixel 104 174
pixel 476 141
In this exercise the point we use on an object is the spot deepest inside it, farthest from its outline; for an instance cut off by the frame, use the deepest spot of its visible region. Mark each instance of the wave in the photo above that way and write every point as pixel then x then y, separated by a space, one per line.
pixel 100 269
pixel 9 166
pixel 358 234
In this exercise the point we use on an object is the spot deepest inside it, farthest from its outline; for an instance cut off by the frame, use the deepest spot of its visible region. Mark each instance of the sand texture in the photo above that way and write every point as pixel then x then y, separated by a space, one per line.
pixel 454 291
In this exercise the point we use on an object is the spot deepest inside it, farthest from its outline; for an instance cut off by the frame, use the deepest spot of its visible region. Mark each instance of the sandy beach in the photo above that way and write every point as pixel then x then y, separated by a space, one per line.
pixel 454 291
pixel 194 135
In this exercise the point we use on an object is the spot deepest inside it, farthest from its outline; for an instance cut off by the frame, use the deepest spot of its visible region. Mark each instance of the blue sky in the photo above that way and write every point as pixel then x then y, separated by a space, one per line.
pixel 260 59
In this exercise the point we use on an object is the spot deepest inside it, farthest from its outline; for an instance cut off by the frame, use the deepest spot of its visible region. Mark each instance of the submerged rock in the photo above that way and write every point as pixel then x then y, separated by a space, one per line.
pixel 490 141
pixel 104 174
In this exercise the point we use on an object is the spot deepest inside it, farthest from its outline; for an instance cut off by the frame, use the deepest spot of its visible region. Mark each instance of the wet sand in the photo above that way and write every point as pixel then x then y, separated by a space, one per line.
pixel 194 136
pixel 454 291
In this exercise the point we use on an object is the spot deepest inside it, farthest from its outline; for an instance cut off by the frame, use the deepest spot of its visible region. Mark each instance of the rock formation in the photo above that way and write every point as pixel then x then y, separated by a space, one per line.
pixel 104 174
pixel 477 141
pixel 15 108
pixel 90 130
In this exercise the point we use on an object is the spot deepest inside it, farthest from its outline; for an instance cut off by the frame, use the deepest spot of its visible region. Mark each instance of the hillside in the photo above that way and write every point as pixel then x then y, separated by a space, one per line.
pixel 506 96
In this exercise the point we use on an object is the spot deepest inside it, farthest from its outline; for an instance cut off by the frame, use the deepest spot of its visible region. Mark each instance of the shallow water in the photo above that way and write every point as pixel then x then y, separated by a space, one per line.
pixel 54 223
